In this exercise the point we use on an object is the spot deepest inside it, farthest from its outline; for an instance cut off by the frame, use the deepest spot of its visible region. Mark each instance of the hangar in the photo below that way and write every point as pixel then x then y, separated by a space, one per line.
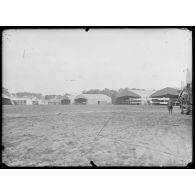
pixel 163 95
pixel 128 97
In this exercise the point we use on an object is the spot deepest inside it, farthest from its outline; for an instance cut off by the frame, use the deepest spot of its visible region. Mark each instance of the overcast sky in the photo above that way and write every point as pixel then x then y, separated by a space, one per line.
pixel 69 61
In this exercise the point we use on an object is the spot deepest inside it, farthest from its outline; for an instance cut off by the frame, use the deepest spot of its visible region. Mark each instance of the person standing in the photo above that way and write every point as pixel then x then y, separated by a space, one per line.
pixel 170 106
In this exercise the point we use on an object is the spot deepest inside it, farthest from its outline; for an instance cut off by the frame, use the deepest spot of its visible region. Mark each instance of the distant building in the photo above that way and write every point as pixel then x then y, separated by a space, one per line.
pixel 92 99
pixel 128 97
pixel 38 101
pixel 162 96
pixel 65 100
pixel 22 101
pixel 6 100
pixel 6 97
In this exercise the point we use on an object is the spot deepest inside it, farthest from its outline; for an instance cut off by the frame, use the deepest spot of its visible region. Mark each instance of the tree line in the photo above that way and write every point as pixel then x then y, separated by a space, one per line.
pixel 112 93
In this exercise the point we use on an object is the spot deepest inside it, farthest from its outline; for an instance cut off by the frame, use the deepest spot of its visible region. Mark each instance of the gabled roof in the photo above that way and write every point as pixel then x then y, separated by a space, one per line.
pixel 165 91
pixel 128 93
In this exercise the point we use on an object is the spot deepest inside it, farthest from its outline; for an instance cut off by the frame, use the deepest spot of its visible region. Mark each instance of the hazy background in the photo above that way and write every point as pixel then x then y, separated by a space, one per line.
pixel 69 61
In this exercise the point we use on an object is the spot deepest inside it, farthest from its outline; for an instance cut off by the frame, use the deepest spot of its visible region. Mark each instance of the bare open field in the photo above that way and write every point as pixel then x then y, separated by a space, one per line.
pixel 57 135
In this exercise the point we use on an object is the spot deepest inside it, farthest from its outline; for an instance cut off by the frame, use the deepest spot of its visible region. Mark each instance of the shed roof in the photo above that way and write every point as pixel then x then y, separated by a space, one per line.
pixel 165 91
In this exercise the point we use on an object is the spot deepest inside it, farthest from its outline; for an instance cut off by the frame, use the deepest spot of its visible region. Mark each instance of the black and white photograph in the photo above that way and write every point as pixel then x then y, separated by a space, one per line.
pixel 97 97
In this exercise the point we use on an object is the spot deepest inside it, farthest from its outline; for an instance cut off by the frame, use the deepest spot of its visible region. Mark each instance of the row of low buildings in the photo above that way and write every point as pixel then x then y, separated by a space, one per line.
pixel 131 97
pixel 65 100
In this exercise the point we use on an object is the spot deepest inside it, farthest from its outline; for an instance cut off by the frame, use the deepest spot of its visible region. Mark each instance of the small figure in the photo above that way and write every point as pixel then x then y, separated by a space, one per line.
pixel 170 106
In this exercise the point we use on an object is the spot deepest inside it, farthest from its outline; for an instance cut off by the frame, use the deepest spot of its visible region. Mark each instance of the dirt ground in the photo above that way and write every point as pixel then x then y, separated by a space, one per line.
pixel 108 135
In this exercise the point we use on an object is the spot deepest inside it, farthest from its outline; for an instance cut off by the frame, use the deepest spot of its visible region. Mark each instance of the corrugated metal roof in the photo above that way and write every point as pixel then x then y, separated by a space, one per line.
pixel 165 91
pixel 100 97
